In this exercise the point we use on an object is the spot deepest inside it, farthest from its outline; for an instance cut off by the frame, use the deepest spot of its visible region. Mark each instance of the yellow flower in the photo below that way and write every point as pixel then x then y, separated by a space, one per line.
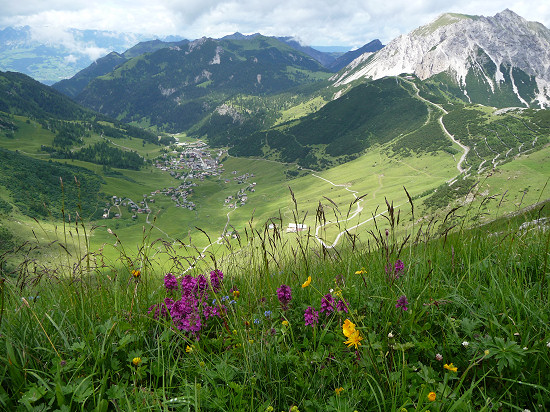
pixel 189 349
pixel 136 273
pixel 486 352
pixel 338 390
pixel 307 282
pixel 201 364
pixel 431 396
pixel 348 328
pixel 354 339
pixel 285 322
pixel 251 341
pixel 361 272
pixel 451 367
pixel 136 361
pixel 236 294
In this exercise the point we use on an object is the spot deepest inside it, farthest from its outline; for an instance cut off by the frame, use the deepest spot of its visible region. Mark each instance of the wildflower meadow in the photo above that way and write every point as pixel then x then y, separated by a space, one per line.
pixel 436 317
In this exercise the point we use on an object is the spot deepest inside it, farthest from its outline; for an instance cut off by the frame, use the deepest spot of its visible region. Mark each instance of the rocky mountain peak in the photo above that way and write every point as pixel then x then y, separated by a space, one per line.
pixel 493 49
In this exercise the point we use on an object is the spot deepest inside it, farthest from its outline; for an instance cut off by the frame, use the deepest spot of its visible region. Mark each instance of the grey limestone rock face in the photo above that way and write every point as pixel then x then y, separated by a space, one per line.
pixel 493 48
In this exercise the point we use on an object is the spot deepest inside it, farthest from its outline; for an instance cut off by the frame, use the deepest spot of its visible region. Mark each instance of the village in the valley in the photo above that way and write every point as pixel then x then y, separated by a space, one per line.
pixel 188 163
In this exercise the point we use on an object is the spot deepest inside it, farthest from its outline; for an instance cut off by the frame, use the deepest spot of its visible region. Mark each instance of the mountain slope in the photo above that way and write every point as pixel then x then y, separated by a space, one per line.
pixel 74 86
pixel 350 56
pixel 102 66
pixel 500 60
pixel 174 88
pixel 369 114
pixel 22 95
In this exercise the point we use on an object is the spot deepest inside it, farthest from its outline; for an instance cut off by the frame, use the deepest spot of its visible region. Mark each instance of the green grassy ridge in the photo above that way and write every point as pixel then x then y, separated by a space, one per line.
pixel 343 127
pixel 464 287
pixel 21 95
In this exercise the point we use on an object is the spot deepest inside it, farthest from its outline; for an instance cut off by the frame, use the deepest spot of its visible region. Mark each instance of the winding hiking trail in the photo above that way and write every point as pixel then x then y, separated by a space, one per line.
pixel 218 241
pixel 356 213
pixel 465 148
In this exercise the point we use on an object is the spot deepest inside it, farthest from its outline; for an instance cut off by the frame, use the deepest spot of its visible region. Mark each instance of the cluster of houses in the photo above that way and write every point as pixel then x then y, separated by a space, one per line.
pixel 242 178
pixel 179 195
pixel 241 197
pixel 133 207
pixel 191 161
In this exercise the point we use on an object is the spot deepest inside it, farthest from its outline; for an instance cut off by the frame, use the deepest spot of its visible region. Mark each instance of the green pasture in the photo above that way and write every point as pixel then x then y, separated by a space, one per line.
pixel 28 138
pixel 301 110
pixel 375 177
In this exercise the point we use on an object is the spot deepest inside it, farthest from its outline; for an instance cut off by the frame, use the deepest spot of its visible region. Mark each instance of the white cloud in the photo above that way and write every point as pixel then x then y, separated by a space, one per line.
pixel 319 22
pixel 70 59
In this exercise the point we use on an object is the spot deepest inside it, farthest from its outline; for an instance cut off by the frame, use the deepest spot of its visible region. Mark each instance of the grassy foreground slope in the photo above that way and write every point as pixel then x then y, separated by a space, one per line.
pixel 397 319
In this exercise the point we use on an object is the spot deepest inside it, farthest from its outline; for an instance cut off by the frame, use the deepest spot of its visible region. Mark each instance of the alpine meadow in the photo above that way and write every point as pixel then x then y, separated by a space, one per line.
pixel 247 223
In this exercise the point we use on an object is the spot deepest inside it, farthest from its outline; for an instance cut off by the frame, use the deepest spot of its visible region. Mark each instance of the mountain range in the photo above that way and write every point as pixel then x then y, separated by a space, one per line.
pixel 239 91
pixel 52 55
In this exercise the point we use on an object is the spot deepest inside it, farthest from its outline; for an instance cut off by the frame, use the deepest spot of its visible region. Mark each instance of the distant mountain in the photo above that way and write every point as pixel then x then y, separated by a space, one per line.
pixel 240 36
pixel 500 61
pixel 152 46
pixel 76 84
pixel 334 61
pixel 345 59
pixel 73 86
pixel 173 88
pixel 50 60
pixel 326 59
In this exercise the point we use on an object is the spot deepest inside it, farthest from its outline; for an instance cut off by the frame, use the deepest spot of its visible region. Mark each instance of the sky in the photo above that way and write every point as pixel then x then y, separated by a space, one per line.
pixel 350 23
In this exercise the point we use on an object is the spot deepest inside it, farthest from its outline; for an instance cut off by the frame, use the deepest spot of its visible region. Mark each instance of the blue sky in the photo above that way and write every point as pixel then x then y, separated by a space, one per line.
pixel 315 22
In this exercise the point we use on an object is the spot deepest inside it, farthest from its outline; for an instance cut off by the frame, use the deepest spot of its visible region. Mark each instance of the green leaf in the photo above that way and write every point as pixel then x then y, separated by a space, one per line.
pixel 34 394
pixel 115 392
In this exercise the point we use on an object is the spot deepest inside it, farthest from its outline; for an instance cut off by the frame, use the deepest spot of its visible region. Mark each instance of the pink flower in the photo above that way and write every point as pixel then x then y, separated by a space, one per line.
pixel 311 316
pixel 402 302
